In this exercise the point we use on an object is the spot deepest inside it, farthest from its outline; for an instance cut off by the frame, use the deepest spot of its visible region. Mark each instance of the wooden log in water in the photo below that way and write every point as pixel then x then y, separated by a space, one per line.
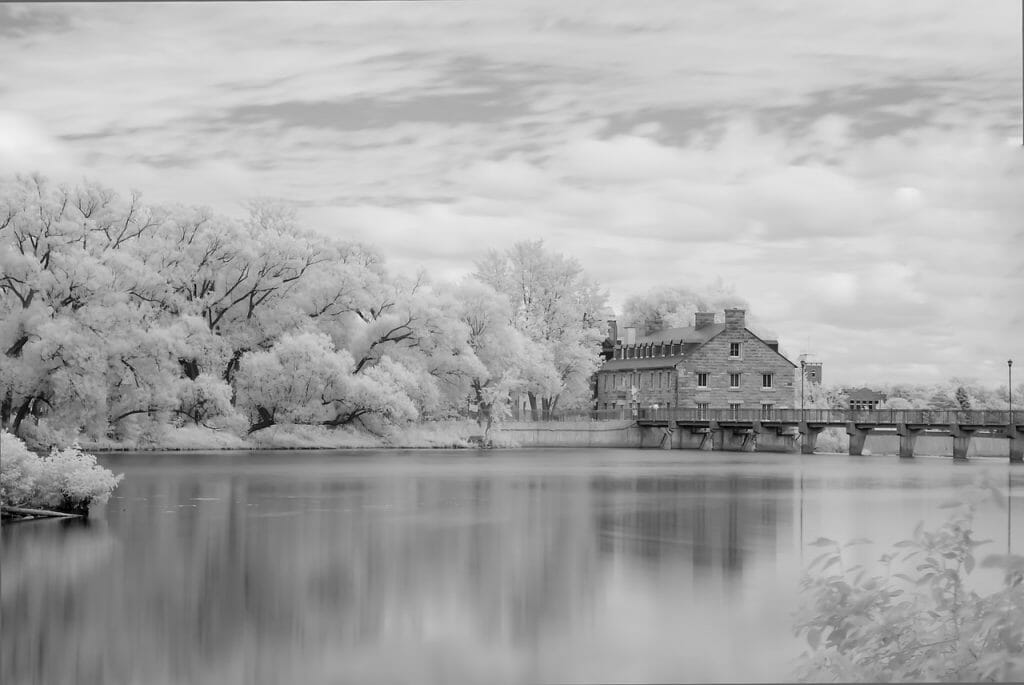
pixel 22 511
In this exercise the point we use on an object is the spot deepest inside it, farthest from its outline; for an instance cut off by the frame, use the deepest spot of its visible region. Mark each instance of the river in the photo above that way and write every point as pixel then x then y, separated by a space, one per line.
pixel 388 566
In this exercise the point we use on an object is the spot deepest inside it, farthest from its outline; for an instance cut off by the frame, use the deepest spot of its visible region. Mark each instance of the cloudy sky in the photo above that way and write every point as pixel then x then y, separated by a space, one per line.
pixel 854 169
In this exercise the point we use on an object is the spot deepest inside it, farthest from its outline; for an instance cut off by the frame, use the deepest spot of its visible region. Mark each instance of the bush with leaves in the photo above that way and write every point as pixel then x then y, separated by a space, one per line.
pixel 924 625
pixel 18 469
pixel 68 479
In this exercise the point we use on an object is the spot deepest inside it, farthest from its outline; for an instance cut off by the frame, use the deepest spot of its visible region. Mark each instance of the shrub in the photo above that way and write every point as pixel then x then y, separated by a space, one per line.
pixel 926 625
pixel 18 469
pixel 69 479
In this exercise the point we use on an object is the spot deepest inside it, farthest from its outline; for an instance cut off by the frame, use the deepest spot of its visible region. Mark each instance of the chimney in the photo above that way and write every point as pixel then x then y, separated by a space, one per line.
pixel 613 330
pixel 630 336
pixel 703 319
pixel 735 319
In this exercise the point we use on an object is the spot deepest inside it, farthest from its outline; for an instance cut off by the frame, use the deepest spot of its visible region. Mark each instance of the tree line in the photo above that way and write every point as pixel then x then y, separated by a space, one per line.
pixel 954 394
pixel 119 318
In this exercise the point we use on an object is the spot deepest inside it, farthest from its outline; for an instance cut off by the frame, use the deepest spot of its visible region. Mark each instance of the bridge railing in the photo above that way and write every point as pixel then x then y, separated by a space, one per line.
pixel 834 416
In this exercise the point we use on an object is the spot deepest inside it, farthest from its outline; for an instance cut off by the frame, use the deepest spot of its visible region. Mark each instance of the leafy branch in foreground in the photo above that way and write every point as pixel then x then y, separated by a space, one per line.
pixel 918 619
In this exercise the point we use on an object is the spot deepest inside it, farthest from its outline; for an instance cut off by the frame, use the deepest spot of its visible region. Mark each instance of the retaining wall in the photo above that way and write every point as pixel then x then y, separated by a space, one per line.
pixel 569 434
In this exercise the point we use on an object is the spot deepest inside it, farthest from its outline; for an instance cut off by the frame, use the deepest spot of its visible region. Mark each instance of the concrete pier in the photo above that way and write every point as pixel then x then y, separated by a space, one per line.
pixel 858 436
pixel 809 437
pixel 961 441
pixel 964 433
pixel 908 436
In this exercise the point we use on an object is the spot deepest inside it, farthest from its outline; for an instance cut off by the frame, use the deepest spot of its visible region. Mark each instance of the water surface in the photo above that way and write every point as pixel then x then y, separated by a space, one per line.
pixel 454 566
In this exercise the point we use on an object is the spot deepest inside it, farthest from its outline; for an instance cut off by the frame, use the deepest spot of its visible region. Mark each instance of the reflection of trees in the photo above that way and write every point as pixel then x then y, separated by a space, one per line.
pixel 231 579
pixel 44 567
pixel 165 609
pixel 258 578
pixel 710 522
pixel 497 558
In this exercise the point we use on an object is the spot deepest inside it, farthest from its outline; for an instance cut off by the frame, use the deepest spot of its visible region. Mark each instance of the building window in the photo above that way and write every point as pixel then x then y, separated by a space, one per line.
pixel 702 410
pixel 734 380
pixel 659 380
pixel 734 349
pixel 766 380
pixel 766 410
pixel 702 380
pixel 734 409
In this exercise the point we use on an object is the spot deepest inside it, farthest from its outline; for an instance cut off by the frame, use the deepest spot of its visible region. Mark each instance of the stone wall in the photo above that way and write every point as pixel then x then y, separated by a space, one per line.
pixel 755 359
pixel 568 434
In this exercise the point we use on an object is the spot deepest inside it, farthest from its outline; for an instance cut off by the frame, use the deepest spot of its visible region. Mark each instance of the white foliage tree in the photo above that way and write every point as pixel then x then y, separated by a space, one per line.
pixel 555 306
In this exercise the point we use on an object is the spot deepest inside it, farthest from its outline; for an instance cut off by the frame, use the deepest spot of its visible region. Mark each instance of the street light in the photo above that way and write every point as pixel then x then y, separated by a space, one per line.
pixel 802 375
pixel 1009 374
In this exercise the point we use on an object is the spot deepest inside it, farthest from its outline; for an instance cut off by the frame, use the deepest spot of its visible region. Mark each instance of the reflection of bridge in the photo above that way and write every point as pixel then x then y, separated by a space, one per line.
pixel 808 423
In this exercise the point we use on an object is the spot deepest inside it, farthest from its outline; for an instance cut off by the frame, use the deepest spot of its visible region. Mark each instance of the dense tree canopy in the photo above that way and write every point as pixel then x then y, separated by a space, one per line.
pixel 557 308
pixel 119 319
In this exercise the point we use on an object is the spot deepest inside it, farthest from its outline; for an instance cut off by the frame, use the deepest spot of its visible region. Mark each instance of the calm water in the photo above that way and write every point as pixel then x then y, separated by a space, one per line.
pixel 453 566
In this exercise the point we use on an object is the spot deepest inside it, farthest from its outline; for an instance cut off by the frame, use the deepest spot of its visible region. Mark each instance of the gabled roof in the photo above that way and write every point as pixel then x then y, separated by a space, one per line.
pixel 648 363
pixel 683 334
pixel 774 349
pixel 691 339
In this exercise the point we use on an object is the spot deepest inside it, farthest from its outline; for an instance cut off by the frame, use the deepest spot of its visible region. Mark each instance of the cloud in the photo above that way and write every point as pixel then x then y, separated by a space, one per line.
pixel 25 145
pixel 848 167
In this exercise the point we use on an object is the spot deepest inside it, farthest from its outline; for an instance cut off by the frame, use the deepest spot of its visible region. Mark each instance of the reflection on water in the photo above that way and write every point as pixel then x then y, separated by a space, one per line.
pixel 515 566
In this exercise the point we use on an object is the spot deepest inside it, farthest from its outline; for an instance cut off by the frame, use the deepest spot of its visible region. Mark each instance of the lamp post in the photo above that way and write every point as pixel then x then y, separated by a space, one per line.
pixel 1009 375
pixel 802 376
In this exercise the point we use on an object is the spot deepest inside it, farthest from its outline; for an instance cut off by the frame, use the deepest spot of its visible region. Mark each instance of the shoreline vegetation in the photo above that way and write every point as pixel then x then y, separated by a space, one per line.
pixel 914 616
pixel 64 483
pixel 452 434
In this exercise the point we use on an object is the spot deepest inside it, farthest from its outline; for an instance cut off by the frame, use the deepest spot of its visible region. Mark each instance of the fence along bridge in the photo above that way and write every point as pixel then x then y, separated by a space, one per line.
pixel 808 424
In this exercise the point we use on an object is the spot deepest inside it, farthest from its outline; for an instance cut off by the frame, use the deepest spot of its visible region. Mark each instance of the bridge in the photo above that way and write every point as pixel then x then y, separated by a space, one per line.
pixel 712 426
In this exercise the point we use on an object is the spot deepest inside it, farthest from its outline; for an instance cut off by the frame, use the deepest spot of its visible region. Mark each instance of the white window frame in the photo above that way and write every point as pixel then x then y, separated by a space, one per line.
pixel 738 379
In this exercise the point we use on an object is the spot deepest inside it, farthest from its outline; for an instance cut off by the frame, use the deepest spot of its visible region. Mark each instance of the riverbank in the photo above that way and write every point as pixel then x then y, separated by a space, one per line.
pixel 461 434
pixel 453 434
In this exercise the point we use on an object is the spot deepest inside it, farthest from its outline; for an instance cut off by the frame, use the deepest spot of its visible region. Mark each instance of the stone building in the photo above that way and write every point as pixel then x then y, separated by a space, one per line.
pixel 861 399
pixel 813 371
pixel 705 366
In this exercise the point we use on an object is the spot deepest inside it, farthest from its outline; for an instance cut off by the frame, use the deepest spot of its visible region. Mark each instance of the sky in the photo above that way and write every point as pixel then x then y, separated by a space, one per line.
pixel 854 170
